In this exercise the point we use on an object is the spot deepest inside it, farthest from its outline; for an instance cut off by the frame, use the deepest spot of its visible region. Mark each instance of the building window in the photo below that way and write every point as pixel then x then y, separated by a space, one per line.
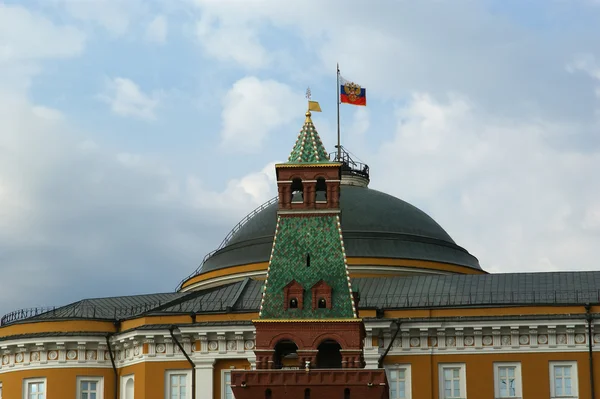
pixel 399 380
pixel 178 384
pixel 563 380
pixel 227 391
pixel 507 380
pixel 90 387
pixel 128 387
pixel 453 382
pixel 34 388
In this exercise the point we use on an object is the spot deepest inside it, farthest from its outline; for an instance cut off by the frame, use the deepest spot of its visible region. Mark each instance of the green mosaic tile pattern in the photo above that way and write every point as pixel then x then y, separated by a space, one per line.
pixel 308 148
pixel 318 236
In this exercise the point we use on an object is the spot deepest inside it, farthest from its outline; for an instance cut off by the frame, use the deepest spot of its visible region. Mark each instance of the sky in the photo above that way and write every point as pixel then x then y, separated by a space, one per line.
pixel 135 133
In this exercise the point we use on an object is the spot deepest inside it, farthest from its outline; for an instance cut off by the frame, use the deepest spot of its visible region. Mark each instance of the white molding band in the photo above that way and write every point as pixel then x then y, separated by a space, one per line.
pixel 238 342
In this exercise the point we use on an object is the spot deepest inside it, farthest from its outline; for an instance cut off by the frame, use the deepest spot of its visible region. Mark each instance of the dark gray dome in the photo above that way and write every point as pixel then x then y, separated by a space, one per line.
pixel 374 224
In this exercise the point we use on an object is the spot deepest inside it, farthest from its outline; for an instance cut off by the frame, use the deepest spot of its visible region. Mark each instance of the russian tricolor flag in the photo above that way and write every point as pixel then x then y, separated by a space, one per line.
pixel 351 93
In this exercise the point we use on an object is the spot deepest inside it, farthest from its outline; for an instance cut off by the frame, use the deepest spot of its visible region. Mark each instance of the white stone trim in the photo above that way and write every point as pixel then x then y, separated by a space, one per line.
pixel 28 381
pixel 408 378
pixel 462 378
pixel 574 379
pixel 518 379
pixel 124 380
pixel 188 381
pixel 99 385
pixel 421 338
pixel 223 387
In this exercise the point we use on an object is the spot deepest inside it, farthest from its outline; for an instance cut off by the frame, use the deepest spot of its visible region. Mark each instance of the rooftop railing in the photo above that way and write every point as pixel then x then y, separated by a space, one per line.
pixel 228 238
pixel 117 313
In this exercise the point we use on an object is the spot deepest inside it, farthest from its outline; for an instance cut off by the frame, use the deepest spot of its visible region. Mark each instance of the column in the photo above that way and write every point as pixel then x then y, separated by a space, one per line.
pixel 204 379
pixel 533 340
pixel 496 337
pixel 81 358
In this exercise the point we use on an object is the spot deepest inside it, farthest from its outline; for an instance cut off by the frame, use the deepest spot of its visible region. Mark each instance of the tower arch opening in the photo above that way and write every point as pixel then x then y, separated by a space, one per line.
pixel 321 190
pixel 286 355
pixel 329 355
pixel 297 190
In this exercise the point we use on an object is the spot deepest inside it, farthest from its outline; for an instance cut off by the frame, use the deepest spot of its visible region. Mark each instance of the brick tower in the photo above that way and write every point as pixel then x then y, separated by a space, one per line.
pixel 309 339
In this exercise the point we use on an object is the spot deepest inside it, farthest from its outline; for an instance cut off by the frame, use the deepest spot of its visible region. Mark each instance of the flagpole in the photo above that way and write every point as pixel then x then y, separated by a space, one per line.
pixel 339 145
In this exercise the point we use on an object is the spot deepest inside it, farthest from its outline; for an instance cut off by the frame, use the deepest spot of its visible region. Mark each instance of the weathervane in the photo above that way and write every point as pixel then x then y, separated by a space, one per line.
pixel 312 105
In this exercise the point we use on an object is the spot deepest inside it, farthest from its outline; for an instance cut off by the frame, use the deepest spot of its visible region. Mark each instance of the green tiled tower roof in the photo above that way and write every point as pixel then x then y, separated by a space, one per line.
pixel 320 236
pixel 309 147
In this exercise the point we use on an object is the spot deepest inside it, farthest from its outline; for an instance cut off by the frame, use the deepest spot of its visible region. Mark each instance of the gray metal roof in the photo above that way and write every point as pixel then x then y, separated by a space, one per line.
pixel 430 291
pixel 374 224
pixel 101 308
pixel 459 290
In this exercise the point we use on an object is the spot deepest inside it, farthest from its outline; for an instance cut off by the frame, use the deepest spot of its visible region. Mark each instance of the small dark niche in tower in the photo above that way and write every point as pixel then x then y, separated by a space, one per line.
pixel 307 260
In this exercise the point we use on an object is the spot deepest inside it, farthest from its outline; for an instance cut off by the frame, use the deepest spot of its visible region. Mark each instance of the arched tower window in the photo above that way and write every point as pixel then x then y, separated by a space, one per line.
pixel 321 190
pixel 286 355
pixel 322 303
pixel 297 191
pixel 307 393
pixel 347 393
pixel 329 355
pixel 268 393
pixel 293 295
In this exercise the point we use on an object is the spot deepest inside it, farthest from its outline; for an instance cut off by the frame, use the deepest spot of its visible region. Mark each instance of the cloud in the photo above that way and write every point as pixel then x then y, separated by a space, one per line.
pixel 391 49
pixel 156 31
pixel 253 108
pixel 80 220
pixel 126 99
pixel 587 64
pixel 232 39
pixel 25 36
pixel 496 184
pixel 246 192
pixel 114 16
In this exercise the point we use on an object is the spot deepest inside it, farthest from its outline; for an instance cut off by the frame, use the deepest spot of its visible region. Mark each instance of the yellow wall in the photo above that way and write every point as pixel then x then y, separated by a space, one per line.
pixel 150 376
pixel 535 372
pixel 57 326
pixel 61 383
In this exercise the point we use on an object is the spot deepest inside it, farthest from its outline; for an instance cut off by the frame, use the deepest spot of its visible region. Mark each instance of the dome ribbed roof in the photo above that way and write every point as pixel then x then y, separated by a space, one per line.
pixel 374 224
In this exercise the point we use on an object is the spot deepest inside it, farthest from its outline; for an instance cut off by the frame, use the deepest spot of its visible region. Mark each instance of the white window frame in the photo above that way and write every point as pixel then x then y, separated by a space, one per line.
pixel 518 380
pixel 124 380
pixel 28 381
pixel 99 385
pixel 574 379
pixel 223 385
pixel 407 378
pixel 188 382
pixel 462 376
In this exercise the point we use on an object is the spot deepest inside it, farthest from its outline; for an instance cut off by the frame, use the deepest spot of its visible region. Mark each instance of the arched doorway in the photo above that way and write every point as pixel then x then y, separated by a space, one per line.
pixel 329 355
pixel 285 355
